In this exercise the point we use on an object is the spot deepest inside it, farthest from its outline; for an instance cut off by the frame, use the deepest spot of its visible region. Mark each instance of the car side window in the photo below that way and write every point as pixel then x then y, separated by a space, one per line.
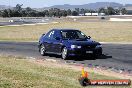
pixel 50 35
pixel 63 34
pixel 56 34
pixel 81 35
pixel 46 36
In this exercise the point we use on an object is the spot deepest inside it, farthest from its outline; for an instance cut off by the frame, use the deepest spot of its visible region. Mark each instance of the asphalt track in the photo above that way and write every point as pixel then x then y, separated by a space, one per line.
pixel 14 23
pixel 118 56
pixel 18 21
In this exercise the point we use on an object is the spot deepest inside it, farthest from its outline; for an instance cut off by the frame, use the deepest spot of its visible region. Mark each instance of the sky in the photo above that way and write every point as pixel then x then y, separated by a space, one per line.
pixel 46 3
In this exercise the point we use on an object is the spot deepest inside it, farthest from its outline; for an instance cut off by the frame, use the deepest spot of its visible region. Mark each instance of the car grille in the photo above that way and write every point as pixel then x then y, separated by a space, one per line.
pixel 89 47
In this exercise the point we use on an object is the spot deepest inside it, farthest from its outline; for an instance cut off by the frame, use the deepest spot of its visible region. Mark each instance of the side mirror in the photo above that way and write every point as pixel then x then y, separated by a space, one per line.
pixel 89 37
pixel 43 34
pixel 57 38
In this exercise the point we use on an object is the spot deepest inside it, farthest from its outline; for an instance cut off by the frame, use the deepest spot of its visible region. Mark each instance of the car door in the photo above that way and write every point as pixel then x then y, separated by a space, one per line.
pixel 48 41
pixel 52 44
pixel 57 42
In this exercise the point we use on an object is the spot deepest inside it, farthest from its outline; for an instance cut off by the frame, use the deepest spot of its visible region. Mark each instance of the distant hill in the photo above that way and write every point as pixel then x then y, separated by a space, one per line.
pixel 2 7
pixel 93 6
pixel 127 5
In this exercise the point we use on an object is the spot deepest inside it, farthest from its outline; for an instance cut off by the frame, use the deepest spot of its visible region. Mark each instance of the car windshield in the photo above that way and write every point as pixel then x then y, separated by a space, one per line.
pixel 73 34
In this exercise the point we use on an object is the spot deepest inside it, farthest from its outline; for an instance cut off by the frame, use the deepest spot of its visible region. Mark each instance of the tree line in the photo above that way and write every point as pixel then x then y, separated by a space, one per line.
pixel 18 11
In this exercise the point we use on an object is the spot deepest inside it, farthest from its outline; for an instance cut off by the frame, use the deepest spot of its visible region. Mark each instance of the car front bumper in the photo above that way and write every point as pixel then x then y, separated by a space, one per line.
pixel 83 52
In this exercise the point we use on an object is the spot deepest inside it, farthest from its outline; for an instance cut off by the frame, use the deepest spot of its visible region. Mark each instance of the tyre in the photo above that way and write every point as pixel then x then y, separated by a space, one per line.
pixel 64 53
pixel 97 56
pixel 42 50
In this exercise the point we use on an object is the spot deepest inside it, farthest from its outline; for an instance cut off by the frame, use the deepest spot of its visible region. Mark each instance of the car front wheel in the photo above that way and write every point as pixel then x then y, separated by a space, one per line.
pixel 97 55
pixel 42 50
pixel 64 53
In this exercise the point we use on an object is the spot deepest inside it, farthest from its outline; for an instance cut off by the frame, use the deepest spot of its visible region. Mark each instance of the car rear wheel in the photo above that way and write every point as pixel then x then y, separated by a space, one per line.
pixel 64 53
pixel 42 50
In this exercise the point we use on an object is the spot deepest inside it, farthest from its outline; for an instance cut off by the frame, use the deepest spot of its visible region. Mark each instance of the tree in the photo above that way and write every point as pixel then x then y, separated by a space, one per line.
pixel 69 12
pixel 5 13
pixel 82 11
pixel 29 12
pixel 123 11
pixel 51 12
pixel 18 7
pixel 64 13
pixel 86 11
pixel 28 9
pixel 33 14
pixel 10 13
pixel 41 14
pixel 56 12
pixel 0 13
pixel 91 11
pixel 16 14
pixel 77 10
pixel 18 10
pixel 102 10
pixel 110 11
pixel 46 12
pixel 24 14
pixel 74 13
pixel 117 11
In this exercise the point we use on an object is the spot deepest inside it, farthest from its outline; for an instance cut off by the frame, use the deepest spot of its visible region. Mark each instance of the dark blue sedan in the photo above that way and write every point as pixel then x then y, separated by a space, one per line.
pixel 68 42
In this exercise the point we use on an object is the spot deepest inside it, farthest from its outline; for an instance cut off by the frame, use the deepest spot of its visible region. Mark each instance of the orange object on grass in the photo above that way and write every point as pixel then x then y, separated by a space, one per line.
pixel 84 73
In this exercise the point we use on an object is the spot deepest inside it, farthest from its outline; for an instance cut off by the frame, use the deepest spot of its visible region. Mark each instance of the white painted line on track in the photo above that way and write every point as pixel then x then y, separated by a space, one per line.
pixel 42 23
pixel 52 60
pixel 28 24
pixel 13 25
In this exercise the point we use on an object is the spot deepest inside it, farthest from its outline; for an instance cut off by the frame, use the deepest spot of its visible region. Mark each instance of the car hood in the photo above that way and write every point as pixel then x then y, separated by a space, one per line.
pixel 82 42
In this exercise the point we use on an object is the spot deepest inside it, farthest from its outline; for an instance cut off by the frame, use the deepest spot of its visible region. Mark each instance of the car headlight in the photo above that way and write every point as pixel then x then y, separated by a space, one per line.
pixel 75 46
pixel 98 46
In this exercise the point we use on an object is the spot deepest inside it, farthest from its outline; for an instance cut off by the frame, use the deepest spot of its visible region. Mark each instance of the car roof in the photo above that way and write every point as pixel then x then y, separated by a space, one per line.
pixel 65 29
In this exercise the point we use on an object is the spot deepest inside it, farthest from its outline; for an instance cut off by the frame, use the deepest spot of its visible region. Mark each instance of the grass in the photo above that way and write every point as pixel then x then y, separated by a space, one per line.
pixel 99 31
pixel 22 73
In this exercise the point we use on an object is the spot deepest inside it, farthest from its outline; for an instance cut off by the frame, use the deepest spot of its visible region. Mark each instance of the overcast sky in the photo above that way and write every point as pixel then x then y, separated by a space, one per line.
pixel 44 3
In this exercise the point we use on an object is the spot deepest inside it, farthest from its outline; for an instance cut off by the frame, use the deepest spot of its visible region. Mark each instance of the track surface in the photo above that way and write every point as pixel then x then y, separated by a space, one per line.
pixel 115 55
pixel 14 23
pixel 18 21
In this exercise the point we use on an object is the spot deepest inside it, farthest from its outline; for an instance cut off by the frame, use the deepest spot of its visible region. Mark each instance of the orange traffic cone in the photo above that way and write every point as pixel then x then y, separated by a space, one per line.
pixel 84 73
pixel 84 81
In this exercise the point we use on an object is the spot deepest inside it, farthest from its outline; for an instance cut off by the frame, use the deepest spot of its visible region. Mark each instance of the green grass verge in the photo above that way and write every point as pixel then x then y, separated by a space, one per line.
pixel 20 73
pixel 99 31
